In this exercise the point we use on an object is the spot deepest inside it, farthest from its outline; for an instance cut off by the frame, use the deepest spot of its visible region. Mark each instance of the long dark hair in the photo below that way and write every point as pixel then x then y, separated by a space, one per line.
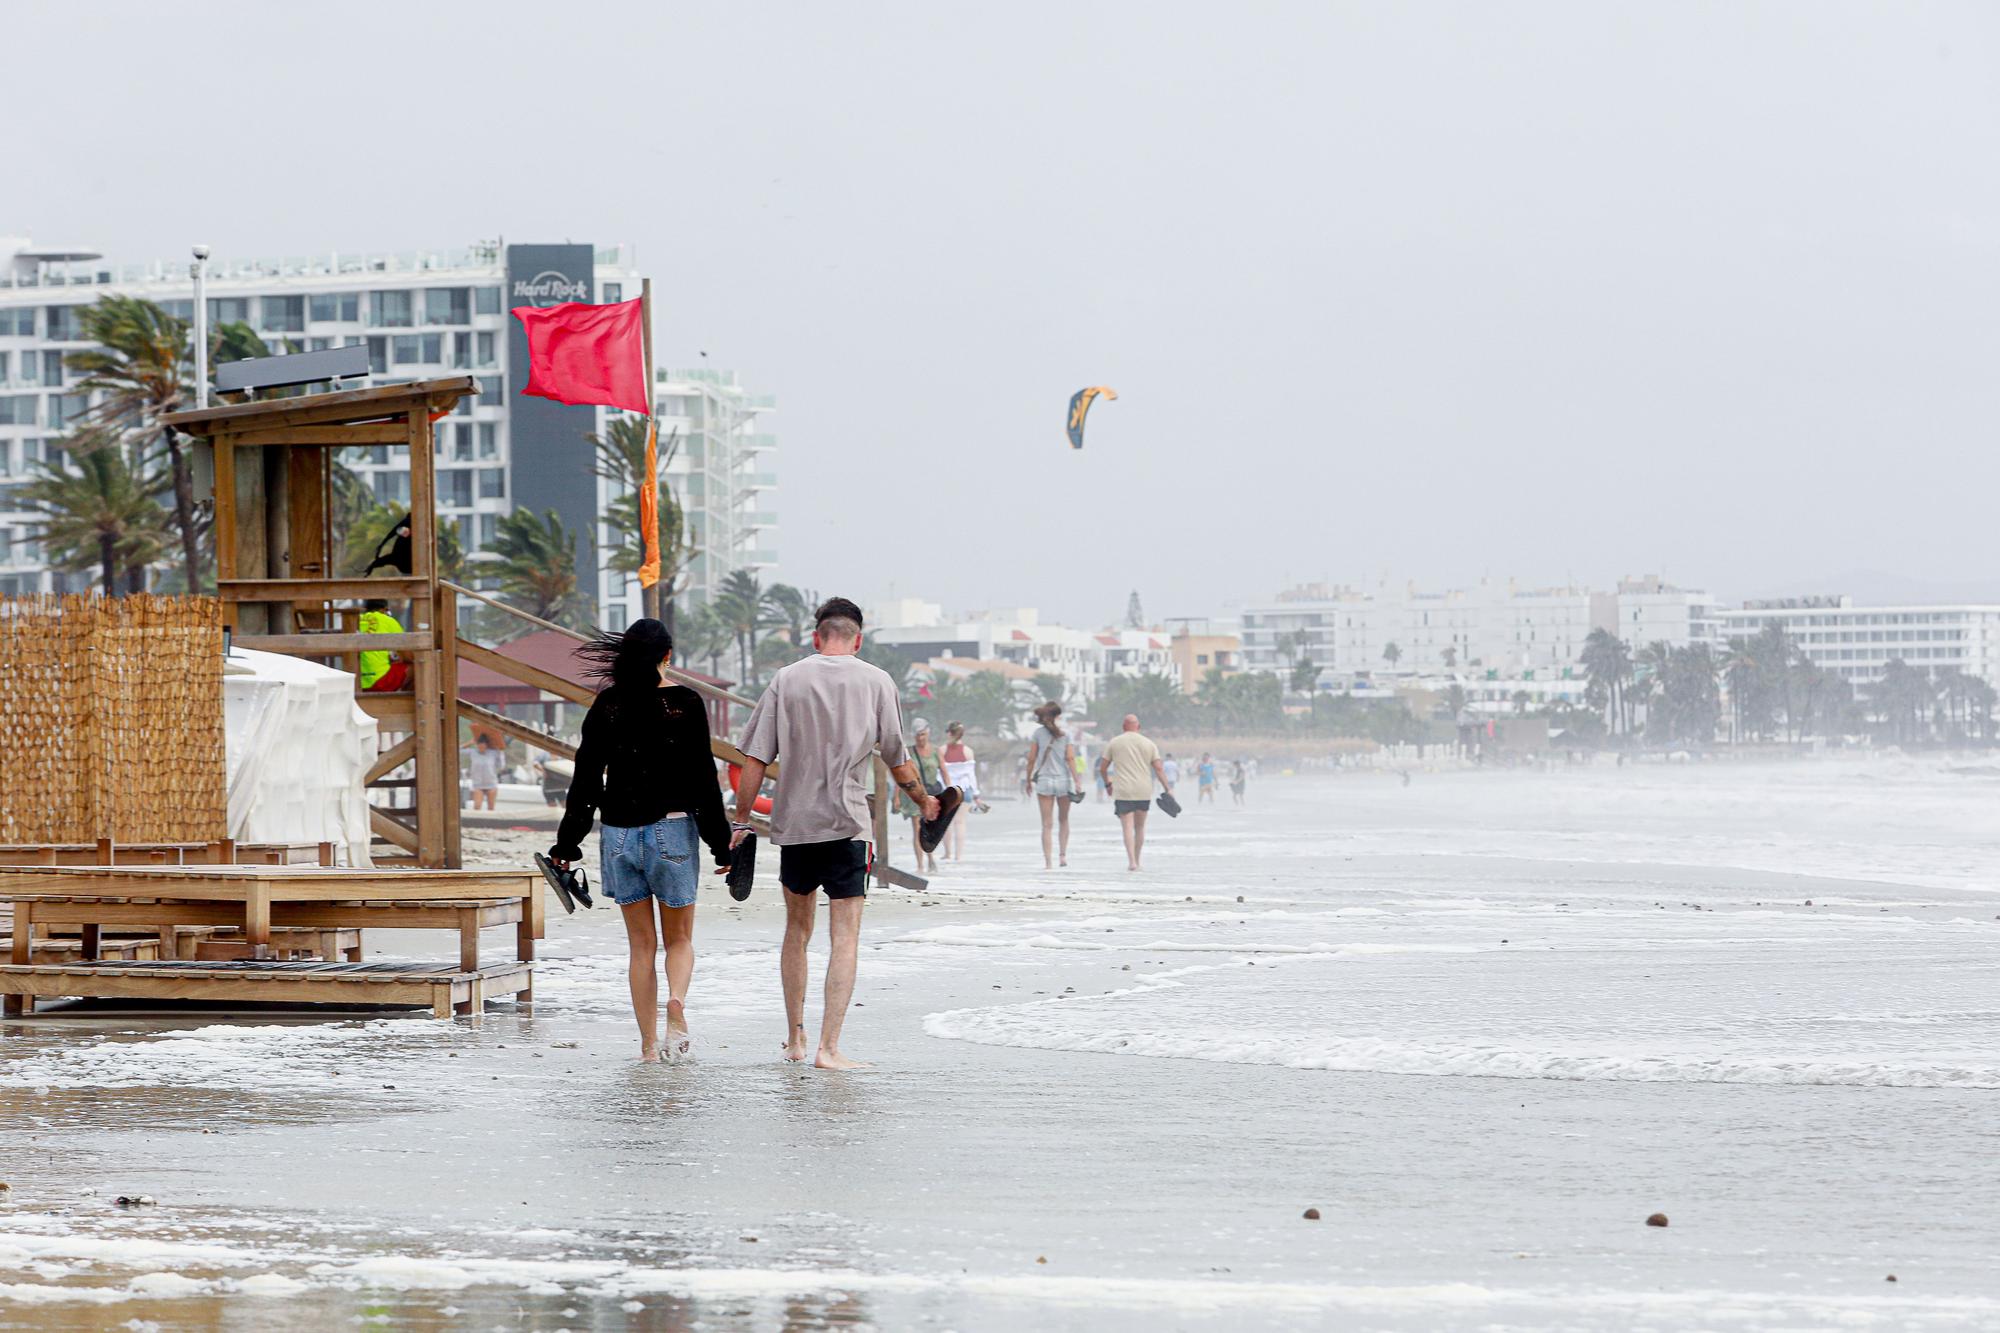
pixel 1047 715
pixel 630 659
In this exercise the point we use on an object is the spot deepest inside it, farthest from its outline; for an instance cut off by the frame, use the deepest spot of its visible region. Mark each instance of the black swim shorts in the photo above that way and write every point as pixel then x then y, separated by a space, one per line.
pixel 1130 807
pixel 840 867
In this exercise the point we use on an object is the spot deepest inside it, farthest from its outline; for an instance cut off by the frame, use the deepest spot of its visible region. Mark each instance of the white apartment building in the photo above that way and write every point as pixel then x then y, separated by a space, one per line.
pixel 1494 631
pixel 724 471
pixel 1858 642
pixel 1083 658
pixel 1653 611
pixel 421 315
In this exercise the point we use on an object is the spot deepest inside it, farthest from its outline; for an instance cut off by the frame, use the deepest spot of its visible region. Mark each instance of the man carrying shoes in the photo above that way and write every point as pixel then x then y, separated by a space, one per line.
pixel 1134 762
pixel 821 721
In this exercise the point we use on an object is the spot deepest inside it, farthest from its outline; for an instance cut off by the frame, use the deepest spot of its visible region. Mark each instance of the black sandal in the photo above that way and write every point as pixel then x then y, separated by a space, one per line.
pixel 570 886
pixel 742 867
pixel 931 831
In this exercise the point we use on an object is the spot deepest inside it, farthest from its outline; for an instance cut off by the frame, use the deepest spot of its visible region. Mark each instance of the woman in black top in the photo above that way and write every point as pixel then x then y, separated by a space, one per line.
pixel 644 766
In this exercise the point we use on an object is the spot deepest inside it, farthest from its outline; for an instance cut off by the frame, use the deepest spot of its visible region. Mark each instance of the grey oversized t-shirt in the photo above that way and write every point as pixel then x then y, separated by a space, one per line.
pixel 820 721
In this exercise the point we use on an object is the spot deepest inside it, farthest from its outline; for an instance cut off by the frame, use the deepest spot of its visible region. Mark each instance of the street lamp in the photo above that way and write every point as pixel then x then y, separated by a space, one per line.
pixel 200 271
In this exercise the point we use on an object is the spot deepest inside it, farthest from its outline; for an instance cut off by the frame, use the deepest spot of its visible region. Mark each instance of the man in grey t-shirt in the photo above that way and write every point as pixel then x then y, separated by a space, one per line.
pixel 821 720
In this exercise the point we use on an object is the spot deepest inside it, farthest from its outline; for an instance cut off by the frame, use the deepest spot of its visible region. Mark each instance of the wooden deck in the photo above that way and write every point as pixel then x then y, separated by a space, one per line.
pixel 257 900
pixel 438 987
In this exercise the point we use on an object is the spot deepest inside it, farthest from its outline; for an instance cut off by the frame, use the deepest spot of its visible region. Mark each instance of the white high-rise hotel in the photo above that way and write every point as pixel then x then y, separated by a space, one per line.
pixel 421 315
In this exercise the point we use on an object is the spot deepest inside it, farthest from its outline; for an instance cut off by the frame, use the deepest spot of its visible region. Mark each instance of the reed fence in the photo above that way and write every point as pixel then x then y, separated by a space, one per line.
pixel 111 719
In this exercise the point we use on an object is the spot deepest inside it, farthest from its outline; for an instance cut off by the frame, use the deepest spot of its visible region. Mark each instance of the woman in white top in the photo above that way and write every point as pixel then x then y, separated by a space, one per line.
pixel 1052 777
pixel 961 771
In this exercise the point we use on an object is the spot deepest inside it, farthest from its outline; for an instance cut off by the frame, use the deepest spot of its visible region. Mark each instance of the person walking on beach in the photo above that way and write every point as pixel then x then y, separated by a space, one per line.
pixel 1127 769
pixel 961 770
pixel 1172 768
pixel 645 768
pixel 1206 773
pixel 930 772
pixel 821 720
pixel 1239 777
pixel 1050 755
pixel 486 760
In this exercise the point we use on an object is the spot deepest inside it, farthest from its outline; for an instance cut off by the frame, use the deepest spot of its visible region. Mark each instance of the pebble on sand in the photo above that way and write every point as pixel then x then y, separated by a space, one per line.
pixel 1890 1278
pixel 135 1200
pixel 5 1191
pixel 1657 1220
pixel 1041 1258
pixel 1312 1214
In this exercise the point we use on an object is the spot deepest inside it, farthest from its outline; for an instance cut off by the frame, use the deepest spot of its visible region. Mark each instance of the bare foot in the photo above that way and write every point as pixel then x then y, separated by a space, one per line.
pixel 677 1028
pixel 649 1053
pixel 835 1060
pixel 795 1049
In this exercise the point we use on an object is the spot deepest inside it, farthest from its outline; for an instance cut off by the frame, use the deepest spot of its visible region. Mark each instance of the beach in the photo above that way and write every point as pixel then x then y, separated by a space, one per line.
pixel 1485 1024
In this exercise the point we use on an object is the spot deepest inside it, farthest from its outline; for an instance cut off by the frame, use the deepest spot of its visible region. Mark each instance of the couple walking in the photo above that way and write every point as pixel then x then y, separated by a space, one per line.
pixel 644 763
pixel 1126 771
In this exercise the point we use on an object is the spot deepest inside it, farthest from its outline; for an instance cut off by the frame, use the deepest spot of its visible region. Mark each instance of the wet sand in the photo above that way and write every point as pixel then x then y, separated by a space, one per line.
pixel 1482 1068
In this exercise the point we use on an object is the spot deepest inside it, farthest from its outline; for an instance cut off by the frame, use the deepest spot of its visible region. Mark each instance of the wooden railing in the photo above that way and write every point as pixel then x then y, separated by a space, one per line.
pixel 464 650
pixel 549 683
pixel 705 689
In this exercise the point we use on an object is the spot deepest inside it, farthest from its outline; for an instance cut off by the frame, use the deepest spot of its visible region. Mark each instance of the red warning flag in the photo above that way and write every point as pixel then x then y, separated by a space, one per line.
pixel 587 354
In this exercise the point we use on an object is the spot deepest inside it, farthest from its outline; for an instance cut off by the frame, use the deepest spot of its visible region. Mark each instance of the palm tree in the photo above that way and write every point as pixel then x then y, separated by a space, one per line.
pixel 983 701
pixel 1450 656
pixel 1902 695
pixel 1392 655
pixel 142 368
pixel 1608 664
pixel 101 512
pixel 1305 676
pixel 792 609
pixel 1155 699
pixel 702 636
pixel 621 459
pixel 742 604
pixel 536 566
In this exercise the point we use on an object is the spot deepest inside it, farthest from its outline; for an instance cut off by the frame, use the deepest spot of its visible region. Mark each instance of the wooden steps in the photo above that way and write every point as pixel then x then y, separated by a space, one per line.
pixel 439 987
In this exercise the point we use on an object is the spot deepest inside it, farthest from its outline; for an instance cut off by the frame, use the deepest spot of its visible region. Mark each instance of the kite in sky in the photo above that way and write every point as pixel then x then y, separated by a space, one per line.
pixel 1079 408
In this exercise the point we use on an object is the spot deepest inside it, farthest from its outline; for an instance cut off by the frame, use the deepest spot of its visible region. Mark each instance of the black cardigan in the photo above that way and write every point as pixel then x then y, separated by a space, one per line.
pixel 644 755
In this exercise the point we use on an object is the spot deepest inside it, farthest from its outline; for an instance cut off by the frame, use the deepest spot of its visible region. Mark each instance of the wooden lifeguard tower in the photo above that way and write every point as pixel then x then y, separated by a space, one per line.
pixel 275 554
pixel 275 573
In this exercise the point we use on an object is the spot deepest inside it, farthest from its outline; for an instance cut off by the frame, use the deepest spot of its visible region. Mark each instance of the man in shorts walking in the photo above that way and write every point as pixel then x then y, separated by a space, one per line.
pixel 821 721
pixel 1133 762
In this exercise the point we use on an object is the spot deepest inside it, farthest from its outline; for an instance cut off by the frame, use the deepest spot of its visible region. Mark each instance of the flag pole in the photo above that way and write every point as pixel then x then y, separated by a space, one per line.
pixel 649 495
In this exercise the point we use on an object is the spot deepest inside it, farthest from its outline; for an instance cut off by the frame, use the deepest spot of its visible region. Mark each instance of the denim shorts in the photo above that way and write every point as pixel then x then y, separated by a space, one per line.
pixel 653 861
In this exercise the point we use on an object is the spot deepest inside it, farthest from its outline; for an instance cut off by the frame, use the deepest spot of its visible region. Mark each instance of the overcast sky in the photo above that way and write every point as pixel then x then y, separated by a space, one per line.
pixel 1544 290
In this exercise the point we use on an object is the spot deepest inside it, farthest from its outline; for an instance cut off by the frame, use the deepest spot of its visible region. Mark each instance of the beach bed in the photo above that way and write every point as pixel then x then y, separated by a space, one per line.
pixel 262 903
